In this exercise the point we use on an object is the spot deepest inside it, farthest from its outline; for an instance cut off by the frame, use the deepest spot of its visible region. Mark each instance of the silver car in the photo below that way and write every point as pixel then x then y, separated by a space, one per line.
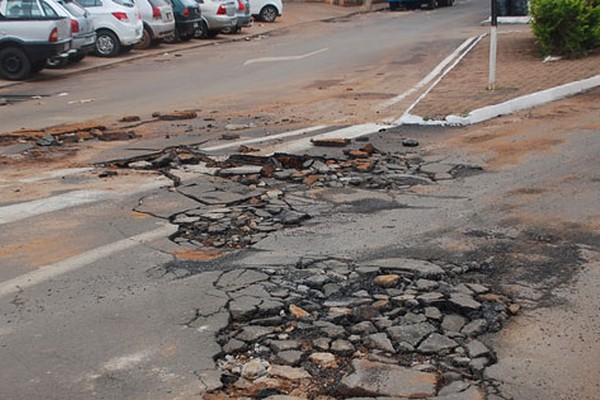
pixel 82 30
pixel 242 13
pixel 158 19
pixel 216 16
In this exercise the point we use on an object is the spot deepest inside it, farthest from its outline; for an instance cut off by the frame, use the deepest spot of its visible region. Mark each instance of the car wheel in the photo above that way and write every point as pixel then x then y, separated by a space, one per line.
pixel 146 39
pixel 268 14
pixel 14 64
pixel 229 30
pixel 202 31
pixel 57 62
pixel 186 38
pixel 107 44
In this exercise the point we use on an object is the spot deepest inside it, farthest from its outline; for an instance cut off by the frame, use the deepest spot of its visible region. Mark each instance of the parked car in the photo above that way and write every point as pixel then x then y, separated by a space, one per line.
pixel 216 16
pixel 82 30
pixel 243 16
pixel 157 16
pixel 30 34
pixel 266 10
pixel 412 4
pixel 187 20
pixel 118 25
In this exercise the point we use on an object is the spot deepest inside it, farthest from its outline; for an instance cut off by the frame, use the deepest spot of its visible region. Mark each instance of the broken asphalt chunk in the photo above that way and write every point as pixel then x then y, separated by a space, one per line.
pixel 334 142
pixel 174 116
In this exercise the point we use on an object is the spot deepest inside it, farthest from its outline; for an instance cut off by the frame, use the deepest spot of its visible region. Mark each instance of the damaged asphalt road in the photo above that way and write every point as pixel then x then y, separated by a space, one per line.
pixel 305 275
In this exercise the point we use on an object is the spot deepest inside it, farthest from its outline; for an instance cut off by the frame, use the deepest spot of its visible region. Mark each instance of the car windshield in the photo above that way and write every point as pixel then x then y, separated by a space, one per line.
pixel 125 3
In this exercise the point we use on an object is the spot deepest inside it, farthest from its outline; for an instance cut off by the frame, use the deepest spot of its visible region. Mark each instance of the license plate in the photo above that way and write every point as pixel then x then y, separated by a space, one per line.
pixel 169 16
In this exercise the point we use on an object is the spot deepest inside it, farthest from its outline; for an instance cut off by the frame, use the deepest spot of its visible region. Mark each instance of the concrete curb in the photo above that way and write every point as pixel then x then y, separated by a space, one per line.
pixel 510 106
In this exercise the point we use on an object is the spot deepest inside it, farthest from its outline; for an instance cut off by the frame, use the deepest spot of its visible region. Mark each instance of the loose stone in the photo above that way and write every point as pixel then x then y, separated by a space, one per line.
pixel 324 360
pixel 475 327
pixel 290 357
pixel 379 341
pixel 255 369
pixel 387 281
pixel 436 343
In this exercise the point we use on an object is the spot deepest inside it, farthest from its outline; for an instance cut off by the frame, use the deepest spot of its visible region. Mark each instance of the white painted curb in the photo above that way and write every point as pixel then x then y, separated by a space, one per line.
pixel 510 106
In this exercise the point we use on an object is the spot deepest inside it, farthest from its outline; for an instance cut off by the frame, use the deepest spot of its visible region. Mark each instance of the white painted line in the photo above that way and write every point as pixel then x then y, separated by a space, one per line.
pixel 20 211
pixel 304 143
pixel 285 58
pixel 509 20
pixel 57 173
pixel 435 72
pixel 47 272
pixel 265 138
pixel 407 115
pixel 17 212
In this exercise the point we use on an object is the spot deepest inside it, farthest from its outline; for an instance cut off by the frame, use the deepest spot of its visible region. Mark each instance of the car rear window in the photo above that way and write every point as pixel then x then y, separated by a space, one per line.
pixel 124 3
pixel 159 3
pixel 28 9
pixel 74 8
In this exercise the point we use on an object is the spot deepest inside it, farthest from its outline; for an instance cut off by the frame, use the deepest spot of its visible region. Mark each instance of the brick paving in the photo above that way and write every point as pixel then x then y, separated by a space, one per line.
pixel 520 71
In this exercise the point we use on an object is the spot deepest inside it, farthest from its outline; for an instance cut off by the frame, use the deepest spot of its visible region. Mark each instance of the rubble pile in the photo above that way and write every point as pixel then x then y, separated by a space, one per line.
pixel 263 185
pixel 325 327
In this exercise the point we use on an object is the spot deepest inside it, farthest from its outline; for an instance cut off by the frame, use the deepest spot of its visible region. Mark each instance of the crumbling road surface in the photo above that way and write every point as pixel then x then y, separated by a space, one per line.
pixel 411 263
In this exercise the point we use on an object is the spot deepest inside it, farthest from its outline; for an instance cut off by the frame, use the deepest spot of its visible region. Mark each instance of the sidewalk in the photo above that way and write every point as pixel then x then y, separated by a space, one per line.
pixel 520 71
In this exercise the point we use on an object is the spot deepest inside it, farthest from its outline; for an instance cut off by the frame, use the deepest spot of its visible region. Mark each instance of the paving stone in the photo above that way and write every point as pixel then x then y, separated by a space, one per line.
pixel 412 266
pixel 324 360
pixel 290 357
pixel 392 380
pixel 387 281
pixel 254 369
pixel 464 301
pixel 478 364
pixel 412 318
pixel 321 343
pixel 363 328
pixel 253 332
pixel 298 312
pixel 426 284
pixel 282 345
pixel 453 323
pixel 243 170
pixel 433 313
pixel 431 298
pixel 454 387
pixel 289 373
pixel 234 346
pixel 475 327
pixel 379 341
pixel 476 349
pixel 411 334
pixel 341 346
pixel 436 343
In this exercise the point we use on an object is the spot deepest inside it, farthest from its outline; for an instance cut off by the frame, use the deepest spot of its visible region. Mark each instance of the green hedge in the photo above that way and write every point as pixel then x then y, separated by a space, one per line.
pixel 568 28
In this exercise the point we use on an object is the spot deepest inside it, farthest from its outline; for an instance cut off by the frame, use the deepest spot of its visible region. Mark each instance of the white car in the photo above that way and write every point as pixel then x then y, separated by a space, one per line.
pixel 118 25
pixel 158 19
pixel 266 10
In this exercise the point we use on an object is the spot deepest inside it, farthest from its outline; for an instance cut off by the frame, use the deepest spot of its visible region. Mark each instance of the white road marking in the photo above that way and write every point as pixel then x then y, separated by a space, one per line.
pixel 304 143
pixel 47 272
pixel 407 114
pixel 57 173
pixel 285 58
pixel 435 72
pixel 20 211
pixel 265 138
pixel 17 212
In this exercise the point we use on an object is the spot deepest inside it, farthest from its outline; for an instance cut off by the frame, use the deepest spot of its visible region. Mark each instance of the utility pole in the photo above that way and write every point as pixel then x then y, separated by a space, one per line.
pixel 493 46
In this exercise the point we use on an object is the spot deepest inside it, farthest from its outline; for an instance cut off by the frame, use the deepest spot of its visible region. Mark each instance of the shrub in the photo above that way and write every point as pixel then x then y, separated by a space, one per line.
pixel 568 28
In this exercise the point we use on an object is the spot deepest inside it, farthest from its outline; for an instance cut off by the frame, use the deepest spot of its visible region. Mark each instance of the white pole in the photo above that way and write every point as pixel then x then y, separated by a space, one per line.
pixel 493 47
